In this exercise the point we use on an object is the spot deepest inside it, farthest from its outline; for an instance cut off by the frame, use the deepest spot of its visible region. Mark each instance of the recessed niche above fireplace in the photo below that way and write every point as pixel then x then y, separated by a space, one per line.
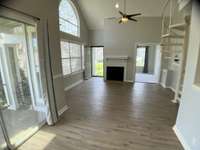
pixel 115 73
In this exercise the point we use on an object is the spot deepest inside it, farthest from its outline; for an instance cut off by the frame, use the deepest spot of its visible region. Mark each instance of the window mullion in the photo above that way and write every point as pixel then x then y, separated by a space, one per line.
pixel 70 58
pixel 81 57
pixel 69 22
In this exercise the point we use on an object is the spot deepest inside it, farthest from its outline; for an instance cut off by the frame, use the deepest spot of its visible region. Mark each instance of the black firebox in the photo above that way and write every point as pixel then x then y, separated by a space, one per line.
pixel 115 73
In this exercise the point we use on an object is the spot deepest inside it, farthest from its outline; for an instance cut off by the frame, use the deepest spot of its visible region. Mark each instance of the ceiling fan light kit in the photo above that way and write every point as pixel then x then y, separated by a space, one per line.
pixel 124 19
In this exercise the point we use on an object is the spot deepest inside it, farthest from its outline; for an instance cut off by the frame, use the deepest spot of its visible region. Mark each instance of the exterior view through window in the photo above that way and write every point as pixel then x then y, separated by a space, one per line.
pixel 140 56
pixel 68 18
pixel 72 57
pixel 97 61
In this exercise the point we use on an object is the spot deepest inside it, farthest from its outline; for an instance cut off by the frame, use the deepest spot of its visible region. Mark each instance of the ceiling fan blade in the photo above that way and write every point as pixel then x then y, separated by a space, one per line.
pixel 132 19
pixel 111 18
pixel 133 15
pixel 121 13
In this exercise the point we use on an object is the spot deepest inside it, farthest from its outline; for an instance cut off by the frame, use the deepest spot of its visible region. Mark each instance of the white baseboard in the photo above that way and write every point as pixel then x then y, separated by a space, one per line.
pixel 181 138
pixel 62 110
pixel 73 85
pixel 168 87
pixel 172 89
pixel 129 81
pixel 163 85
pixel 58 76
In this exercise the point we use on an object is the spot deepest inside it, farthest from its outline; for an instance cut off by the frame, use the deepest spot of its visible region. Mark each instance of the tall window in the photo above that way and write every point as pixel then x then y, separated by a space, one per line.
pixel 72 56
pixel 68 18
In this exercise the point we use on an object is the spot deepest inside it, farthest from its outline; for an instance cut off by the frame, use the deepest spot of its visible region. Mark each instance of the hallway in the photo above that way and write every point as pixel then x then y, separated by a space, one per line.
pixel 112 116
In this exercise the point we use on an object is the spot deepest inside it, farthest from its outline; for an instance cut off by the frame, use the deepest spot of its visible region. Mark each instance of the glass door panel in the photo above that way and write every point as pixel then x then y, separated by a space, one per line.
pixel 97 61
pixel 19 54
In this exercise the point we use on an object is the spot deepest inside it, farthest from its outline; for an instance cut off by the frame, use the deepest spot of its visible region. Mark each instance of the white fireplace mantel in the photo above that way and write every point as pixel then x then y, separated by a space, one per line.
pixel 117 57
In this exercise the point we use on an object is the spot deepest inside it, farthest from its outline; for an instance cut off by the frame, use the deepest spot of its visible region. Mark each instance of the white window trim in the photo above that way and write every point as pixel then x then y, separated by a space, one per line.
pixel 73 74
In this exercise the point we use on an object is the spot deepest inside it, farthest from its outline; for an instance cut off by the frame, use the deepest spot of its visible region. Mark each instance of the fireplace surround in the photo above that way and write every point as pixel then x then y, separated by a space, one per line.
pixel 114 64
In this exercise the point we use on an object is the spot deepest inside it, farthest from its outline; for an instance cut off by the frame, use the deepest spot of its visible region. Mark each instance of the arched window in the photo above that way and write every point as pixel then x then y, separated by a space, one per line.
pixel 69 18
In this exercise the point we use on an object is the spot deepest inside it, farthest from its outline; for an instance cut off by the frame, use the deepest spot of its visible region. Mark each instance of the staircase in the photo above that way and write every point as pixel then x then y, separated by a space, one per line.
pixel 174 41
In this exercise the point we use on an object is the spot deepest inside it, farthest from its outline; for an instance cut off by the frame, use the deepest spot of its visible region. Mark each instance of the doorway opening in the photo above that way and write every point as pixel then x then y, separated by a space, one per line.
pixel 97 62
pixel 148 59
pixel 22 108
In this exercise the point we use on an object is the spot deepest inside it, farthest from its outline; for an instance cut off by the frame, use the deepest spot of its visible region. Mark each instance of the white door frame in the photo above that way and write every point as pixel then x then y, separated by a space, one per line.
pixel 149 78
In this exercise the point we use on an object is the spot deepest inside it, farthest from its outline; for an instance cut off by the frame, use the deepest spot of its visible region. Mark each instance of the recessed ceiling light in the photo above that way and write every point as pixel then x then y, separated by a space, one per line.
pixel 117 5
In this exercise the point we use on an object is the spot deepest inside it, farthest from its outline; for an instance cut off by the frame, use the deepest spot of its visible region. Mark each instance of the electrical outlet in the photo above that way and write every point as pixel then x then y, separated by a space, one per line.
pixel 195 141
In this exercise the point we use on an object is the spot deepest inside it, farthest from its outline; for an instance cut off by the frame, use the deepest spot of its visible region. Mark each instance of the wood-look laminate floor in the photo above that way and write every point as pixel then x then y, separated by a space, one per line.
pixel 112 116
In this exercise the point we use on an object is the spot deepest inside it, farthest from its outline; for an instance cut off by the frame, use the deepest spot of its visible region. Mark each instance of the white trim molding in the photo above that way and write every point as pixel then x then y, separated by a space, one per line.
pixel 129 81
pixel 74 73
pixel 117 57
pixel 181 138
pixel 62 110
pixel 57 76
pixel 167 87
pixel 73 85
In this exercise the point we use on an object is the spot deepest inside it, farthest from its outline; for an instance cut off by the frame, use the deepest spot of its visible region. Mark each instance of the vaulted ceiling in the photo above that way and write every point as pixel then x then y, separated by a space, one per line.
pixel 95 11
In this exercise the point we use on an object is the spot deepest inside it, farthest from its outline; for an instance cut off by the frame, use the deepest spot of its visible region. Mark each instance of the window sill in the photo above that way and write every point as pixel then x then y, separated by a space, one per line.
pixel 70 37
pixel 74 73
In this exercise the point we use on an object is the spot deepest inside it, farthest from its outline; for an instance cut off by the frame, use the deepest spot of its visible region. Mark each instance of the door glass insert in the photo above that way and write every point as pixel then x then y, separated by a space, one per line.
pixel 97 61
pixel 20 80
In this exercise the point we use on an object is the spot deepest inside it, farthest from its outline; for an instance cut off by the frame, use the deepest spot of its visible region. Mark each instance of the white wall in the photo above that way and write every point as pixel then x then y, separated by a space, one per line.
pixel 188 121
pixel 96 37
pixel 121 40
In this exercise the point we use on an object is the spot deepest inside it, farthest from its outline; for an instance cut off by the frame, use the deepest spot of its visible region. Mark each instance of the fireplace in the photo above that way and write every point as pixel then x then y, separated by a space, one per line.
pixel 115 73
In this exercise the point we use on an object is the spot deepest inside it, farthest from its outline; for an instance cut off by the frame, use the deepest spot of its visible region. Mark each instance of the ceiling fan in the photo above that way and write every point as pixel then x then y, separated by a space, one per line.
pixel 126 17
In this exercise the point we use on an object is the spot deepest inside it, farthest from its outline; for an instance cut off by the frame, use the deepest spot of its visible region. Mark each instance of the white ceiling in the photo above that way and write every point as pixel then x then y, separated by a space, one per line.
pixel 95 11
